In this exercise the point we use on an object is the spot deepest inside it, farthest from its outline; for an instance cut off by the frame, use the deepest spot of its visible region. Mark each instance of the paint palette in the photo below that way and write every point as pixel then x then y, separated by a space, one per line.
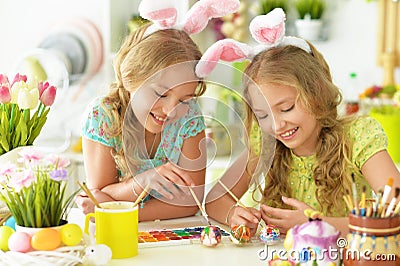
pixel 173 237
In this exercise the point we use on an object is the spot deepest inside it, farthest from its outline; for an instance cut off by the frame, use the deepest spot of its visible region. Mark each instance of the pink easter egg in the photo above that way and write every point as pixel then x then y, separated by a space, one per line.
pixel 20 242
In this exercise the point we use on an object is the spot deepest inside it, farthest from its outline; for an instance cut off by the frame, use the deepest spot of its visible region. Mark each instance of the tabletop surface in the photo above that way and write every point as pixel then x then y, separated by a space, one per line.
pixel 226 253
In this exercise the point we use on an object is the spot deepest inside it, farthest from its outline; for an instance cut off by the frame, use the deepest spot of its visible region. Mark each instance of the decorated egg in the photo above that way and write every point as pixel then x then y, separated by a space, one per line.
pixel 210 236
pixel 71 234
pixel 20 242
pixel 46 239
pixel 240 234
pixel 10 222
pixel 5 234
pixel 269 234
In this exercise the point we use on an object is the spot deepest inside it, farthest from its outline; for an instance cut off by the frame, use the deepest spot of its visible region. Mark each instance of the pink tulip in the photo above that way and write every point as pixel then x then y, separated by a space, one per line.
pixel 19 78
pixel 42 86
pixel 48 96
pixel 5 95
pixel 4 80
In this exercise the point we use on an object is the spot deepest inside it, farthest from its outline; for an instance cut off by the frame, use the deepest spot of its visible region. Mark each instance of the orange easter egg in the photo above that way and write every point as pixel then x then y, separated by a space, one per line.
pixel 46 239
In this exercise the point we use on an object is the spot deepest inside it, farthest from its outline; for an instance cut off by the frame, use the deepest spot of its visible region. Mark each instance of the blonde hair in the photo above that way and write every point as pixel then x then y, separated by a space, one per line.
pixel 310 75
pixel 137 60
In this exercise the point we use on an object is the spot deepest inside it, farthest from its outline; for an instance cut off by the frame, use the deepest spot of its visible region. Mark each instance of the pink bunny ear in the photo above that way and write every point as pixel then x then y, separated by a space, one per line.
pixel 270 28
pixel 227 50
pixel 161 12
pixel 202 11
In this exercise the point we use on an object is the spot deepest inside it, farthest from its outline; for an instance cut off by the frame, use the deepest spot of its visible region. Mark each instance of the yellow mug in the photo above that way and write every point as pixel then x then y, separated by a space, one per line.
pixel 116 224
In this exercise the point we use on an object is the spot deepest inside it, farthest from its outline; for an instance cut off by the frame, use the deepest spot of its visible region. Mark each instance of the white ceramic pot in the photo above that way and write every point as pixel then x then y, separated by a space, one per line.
pixel 33 230
pixel 309 29
pixel 11 156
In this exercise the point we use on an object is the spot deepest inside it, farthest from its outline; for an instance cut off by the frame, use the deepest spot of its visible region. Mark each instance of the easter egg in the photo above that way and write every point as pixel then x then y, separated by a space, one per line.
pixel 10 222
pixel 5 234
pixel 269 234
pixel 240 234
pixel 19 242
pixel 46 239
pixel 71 234
pixel 210 236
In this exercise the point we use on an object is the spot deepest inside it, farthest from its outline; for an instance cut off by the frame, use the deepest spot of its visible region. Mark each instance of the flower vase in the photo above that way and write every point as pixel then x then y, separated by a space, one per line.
pixel 11 156
pixel 33 230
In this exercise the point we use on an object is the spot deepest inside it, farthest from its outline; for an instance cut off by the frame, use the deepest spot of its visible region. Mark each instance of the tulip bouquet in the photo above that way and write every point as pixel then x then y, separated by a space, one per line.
pixel 34 188
pixel 18 127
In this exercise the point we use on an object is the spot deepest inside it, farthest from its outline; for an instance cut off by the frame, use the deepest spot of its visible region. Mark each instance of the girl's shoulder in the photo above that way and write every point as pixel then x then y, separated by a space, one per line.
pixel 364 124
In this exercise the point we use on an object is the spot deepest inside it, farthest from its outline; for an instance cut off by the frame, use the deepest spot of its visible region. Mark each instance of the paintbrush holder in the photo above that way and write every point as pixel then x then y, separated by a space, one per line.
pixel 371 239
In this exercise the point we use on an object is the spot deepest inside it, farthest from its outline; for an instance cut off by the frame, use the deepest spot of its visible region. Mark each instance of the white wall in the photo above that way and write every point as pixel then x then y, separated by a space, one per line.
pixel 351 43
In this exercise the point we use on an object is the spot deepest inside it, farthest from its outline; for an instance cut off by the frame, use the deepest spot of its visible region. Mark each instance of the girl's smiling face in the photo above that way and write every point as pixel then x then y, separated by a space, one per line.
pixel 282 115
pixel 165 97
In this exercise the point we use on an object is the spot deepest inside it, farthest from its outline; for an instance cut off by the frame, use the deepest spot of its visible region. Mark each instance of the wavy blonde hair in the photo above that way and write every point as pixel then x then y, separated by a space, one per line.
pixel 310 75
pixel 138 59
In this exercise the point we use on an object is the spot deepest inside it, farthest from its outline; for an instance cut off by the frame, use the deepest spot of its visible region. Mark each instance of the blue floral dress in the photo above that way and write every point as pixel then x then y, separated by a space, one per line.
pixel 169 149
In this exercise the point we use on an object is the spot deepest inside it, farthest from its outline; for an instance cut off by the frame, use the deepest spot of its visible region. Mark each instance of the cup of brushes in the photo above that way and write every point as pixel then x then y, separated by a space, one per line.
pixel 374 227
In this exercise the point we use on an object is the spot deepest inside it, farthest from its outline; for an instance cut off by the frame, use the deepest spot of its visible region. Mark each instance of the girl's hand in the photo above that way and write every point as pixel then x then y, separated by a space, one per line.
pixel 168 180
pixel 86 204
pixel 285 219
pixel 249 217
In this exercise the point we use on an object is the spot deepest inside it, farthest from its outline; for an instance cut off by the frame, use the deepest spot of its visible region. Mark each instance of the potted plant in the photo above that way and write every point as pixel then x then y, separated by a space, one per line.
pixel 309 22
pixel 268 5
pixel 34 189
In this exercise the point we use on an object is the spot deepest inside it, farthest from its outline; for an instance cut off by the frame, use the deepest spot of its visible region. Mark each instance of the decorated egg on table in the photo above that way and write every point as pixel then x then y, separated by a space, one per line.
pixel 240 234
pixel 20 242
pixel 46 239
pixel 210 236
pixel 269 234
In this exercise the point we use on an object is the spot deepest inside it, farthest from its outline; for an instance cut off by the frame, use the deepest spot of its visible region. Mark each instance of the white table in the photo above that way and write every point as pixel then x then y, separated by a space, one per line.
pixel 226 253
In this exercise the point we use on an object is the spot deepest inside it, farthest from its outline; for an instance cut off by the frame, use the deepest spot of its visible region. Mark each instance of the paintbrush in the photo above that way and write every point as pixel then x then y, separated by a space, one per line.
pixel 89 193
pixel 392 203
pixel 354 190
pixel 350 202
pixel 236 199
pixel 363 209
pixel 385 195
pixel 376 203
pixel 203 212
pixel 141 196
pixel 232 195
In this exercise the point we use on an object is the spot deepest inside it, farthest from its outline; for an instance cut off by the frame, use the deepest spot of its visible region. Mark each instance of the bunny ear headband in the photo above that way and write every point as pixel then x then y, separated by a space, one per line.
pixel 163 14
pixel 267 30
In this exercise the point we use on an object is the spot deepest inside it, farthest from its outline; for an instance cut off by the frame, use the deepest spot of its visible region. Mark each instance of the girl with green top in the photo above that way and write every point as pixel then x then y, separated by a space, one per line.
pixel 147 131
pixel 291 97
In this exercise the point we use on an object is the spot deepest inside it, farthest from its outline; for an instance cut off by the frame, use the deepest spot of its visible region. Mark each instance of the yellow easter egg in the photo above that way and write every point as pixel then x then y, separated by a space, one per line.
pixel 5 234
pixel 71 234
pixel 46 239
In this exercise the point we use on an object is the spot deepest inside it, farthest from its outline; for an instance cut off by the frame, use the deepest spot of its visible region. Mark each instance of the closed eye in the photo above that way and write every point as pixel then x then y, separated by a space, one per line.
pixel 160 95
pixel 263 116
pixel 289 109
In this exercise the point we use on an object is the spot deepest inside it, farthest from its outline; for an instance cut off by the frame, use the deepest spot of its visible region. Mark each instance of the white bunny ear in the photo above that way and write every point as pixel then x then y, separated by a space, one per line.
pixel 162 13
pixel 201 12
pixel 270 28
pixel 227 50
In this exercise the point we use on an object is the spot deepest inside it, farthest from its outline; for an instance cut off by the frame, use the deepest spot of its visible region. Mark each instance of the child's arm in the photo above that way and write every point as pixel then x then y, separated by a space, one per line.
pixel 222 208
pixel 378 168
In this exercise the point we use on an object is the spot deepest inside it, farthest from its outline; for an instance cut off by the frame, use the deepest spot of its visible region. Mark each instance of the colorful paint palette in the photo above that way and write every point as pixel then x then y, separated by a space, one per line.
pixel 173 237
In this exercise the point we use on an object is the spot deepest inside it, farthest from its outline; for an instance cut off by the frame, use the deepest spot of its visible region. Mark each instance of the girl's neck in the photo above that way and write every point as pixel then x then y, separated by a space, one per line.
pixel 152 141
